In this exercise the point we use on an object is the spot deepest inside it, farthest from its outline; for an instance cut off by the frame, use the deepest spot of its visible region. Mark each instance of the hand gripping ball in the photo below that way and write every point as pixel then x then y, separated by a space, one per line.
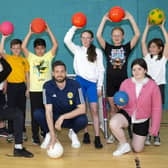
pixel 38 25
pixel 55 152
pixel 121 98
pixel 156 16
pixel 116 14
pixel 6 28
pixel 79 19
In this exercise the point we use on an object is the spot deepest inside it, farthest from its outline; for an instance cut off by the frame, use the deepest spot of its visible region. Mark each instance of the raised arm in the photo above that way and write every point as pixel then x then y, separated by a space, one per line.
pixel 68 39
pixel 165 34
pixel 25 42
pixel 143 41
pixel 100 31
pixel 2 45
pixel 53 40
pixel 135 29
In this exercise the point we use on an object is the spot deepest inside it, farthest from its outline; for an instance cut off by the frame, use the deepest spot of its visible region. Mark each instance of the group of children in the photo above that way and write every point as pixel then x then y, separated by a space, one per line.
pixel 148 79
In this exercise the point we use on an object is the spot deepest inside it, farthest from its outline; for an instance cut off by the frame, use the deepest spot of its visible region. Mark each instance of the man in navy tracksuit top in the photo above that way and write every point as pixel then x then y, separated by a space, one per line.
pixel 64 107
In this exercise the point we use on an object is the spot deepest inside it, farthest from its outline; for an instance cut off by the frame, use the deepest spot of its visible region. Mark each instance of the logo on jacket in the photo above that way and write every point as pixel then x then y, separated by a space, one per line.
pixel 70 95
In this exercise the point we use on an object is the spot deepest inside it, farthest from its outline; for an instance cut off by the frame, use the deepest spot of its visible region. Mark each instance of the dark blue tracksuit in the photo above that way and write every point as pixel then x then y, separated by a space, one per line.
pixel 63 101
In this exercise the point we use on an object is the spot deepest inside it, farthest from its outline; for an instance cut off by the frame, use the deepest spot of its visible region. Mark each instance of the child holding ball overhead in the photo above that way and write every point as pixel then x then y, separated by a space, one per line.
pixel 156 56
pixel 40 72
pixel 89 68
pixel 117 56
pixel 17 81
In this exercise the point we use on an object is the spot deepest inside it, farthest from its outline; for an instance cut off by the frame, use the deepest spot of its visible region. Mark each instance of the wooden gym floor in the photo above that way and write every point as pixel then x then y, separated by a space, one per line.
pixel 87 156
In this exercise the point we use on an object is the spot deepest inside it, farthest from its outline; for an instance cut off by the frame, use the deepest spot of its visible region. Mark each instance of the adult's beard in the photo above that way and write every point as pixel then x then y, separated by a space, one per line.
pixel 60 80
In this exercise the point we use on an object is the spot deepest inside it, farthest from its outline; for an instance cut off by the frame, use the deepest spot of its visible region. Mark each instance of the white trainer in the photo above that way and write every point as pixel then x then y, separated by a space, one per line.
pixel 111 139
pixel 46 141
pixel 122 149
pixel 74 138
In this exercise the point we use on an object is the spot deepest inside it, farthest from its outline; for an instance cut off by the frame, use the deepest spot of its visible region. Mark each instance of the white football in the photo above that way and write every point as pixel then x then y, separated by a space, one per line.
pixel 56 152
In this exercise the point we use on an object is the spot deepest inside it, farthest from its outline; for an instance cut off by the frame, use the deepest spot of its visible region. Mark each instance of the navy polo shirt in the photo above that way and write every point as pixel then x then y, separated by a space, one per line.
pixel 63 100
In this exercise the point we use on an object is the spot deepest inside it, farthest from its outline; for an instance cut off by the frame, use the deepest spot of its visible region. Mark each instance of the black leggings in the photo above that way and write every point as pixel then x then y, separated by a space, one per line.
pixel 15 115
pixel 16 99
pixel 36 102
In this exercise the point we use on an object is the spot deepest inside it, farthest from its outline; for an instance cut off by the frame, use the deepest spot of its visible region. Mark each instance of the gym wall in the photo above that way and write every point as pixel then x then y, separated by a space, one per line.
pixel 58 13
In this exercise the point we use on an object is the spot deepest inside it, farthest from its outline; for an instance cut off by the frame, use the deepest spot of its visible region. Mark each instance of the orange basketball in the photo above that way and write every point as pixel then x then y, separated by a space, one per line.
pixel 116 14
pixel 38 25
pixel 79 19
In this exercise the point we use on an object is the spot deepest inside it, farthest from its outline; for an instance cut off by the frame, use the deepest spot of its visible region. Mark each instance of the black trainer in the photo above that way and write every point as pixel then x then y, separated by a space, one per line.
pixel 86 138
pixel 42 134
pixel 97 142
pixel 22 153
pixel 3 132
pixel 156 141
pixel 36 141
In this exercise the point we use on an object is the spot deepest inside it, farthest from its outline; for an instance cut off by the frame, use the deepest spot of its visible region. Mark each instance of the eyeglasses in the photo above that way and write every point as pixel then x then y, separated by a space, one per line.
pixel 116 36
pixel 16 48
pixel 86 38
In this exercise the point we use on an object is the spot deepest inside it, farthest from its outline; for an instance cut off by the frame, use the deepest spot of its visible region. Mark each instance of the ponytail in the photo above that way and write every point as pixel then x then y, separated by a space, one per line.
pixel 92 53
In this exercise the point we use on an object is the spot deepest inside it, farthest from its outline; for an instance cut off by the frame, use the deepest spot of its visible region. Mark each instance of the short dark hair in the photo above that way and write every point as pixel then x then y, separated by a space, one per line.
pixel 39 42
pixel 15 41
pixel 58 63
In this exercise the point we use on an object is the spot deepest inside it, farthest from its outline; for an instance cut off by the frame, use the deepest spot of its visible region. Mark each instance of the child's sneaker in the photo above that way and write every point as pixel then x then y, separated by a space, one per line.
pixel 73 137
pixel 3 132
pixel 25 137
pixel 148 140
pixel 10 138
pixel 36 141
pixel 156 140
pixel 42 134
pixel 111 139
pixel 97 142
pixel 122 149
pixel 22 153
pixel 86 138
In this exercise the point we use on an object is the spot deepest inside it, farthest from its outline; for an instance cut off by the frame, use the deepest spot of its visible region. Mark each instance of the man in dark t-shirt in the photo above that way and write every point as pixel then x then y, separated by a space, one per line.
pixel 64 107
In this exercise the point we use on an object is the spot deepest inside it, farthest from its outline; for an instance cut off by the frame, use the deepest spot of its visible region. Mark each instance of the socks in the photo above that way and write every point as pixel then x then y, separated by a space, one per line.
pixel 18 146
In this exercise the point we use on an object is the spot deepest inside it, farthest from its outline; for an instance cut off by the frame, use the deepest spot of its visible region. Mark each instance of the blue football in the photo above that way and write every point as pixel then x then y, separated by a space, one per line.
pixel 121 98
